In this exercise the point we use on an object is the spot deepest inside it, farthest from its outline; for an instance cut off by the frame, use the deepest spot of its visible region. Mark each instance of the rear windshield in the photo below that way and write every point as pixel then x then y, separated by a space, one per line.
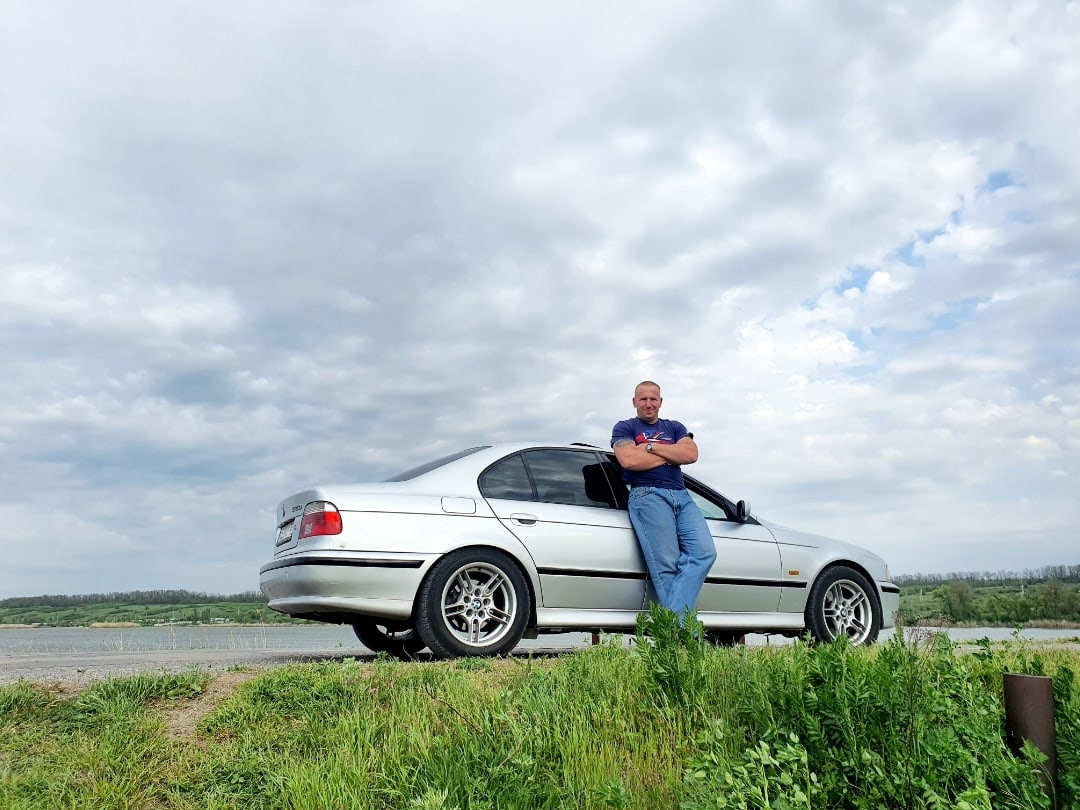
pixel 434 465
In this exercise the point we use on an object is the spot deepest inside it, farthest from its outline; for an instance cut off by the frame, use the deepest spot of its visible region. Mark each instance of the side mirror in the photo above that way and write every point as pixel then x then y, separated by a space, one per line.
pixel 742 511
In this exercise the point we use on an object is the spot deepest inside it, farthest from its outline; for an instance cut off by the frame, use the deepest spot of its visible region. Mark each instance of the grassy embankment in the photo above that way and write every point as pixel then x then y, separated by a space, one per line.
pixel 667 723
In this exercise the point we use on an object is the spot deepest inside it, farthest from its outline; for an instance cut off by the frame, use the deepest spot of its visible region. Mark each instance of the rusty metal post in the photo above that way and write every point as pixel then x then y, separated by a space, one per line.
pixel 1029 715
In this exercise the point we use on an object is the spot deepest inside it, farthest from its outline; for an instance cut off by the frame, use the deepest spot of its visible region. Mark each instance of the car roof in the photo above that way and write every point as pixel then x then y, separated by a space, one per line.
pixel 489 454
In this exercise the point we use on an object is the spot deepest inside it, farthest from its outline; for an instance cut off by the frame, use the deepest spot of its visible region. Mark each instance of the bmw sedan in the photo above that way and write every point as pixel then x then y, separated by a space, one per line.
pixel 470 553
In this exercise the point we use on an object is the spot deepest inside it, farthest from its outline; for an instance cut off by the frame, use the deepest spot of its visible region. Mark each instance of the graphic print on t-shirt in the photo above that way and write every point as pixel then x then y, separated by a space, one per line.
pixel 657 437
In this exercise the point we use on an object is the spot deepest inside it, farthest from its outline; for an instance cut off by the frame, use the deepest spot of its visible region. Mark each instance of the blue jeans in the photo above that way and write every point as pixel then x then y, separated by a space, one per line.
pixel 675 539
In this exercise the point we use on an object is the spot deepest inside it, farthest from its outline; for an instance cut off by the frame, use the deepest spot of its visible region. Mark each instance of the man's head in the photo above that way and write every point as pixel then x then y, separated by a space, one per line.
pixel 647 401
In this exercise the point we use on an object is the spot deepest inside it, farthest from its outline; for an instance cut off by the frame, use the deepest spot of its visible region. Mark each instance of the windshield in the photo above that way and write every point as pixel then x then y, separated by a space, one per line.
pixel 434 465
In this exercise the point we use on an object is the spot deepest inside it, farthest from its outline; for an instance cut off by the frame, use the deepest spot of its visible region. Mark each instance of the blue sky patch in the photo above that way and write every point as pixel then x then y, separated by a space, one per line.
pixel 998 180
pixel 958 312
pixel 857 278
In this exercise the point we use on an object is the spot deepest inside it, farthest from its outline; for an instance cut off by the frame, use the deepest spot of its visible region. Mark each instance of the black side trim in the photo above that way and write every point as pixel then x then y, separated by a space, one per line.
pixel 347 562
pixel 581 572
pixel 576 572
pixel 888 587
pixel 757 583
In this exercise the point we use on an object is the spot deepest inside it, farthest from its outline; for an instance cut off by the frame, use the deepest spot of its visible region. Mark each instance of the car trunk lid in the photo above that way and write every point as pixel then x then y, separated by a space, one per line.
pixel 289 512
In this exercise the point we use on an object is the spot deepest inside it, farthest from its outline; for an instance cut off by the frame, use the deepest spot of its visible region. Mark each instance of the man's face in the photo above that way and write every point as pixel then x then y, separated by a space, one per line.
pixel 647 403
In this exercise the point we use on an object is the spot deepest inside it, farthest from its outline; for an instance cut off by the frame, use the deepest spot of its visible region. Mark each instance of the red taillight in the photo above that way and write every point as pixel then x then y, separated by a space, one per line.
pixel 320 518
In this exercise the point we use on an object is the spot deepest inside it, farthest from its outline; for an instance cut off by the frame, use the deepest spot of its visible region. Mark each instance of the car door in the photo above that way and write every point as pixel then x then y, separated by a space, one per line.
pixel 746 577
pixel 560 504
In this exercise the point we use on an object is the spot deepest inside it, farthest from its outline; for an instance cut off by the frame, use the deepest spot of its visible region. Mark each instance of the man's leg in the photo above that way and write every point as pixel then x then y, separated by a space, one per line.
pixel 653 519
pixel 697 553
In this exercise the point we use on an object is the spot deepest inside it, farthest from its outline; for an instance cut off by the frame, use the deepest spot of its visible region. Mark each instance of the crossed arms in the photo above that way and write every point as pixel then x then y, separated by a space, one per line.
pixel 636 458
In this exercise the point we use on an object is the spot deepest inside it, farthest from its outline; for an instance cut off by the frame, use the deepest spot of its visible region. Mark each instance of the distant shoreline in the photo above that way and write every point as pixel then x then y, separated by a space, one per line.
pixel 133 625
pixel 1034 624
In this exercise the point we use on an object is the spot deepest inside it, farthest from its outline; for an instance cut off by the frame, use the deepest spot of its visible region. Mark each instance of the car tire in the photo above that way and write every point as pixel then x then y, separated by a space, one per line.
pixel 843 603
pixel 474 602
pixel 399 640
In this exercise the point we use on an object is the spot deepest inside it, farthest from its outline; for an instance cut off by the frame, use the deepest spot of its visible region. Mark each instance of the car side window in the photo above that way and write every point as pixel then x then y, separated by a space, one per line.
pixel 714 509
pixel 614 476
pixel 708 508
pixel 571 477
pixel 508 479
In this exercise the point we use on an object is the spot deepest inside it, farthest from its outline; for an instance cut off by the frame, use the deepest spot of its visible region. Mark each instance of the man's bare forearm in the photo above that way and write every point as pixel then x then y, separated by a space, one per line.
pixel 636 458
pixel 682 452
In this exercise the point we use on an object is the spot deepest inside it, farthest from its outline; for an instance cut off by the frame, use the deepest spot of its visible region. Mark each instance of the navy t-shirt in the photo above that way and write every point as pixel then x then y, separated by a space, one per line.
pixel 662 431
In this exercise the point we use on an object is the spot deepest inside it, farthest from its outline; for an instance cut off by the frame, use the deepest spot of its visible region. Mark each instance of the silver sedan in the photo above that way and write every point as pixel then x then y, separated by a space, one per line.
pixel 468 554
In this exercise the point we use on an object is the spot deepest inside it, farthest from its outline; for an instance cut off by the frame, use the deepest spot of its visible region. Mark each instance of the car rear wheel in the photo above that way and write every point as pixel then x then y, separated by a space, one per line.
pixel 398 640
pixel 843 603
pixel 474 602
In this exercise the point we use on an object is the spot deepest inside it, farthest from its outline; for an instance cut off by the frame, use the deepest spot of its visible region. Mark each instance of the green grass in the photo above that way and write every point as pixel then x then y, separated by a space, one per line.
pixel 668 723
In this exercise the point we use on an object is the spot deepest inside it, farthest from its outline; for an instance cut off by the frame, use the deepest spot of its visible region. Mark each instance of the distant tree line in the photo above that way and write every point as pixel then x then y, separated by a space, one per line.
pixel 1048 601
pixel 163 597
pixel 979 579
pixel 959 601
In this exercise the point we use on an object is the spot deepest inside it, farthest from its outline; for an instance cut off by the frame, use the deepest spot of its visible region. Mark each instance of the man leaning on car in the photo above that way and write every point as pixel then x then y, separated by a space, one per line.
pixel 673 534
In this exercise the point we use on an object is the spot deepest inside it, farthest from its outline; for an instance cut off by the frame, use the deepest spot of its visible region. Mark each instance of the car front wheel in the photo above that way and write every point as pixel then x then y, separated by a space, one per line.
pixel 474 602
pixel 843 603
pixel 398 640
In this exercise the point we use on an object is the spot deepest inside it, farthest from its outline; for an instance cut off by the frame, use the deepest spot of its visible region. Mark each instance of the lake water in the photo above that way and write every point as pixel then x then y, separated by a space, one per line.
pixel 330 637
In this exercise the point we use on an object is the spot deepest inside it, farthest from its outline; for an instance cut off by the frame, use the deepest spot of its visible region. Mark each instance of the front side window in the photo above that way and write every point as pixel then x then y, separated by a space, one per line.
pixel 716 508
pixel 708 508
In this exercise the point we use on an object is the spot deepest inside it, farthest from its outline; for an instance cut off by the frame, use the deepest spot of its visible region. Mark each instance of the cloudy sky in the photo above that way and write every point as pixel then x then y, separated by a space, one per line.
pixel 250 246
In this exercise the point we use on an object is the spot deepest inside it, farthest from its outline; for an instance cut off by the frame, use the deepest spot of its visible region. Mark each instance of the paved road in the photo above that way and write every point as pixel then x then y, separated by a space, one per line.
pixel 79 669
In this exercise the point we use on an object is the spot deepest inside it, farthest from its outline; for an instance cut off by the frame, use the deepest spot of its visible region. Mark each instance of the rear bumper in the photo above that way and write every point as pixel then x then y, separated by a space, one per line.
pixel 312 585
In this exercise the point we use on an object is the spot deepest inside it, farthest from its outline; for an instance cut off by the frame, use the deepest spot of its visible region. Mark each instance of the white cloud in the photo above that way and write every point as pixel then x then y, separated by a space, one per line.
pixel 90 301
pixel 244 249
pixel 966 242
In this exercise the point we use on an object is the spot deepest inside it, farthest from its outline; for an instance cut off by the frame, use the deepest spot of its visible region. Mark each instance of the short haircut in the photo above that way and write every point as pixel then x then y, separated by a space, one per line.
pixel 646 382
